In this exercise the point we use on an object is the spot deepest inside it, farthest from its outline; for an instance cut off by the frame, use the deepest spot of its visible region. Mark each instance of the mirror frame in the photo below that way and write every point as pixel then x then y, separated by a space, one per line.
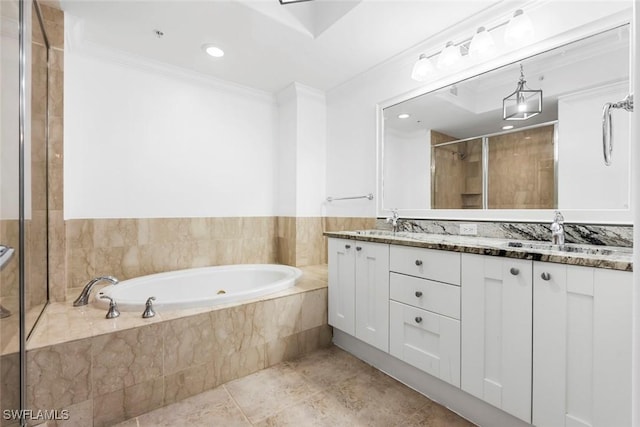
pixel 585 216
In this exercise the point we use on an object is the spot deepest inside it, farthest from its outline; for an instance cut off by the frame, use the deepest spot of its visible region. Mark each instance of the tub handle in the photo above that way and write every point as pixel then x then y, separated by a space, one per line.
pixel 148 308
pixel 113 311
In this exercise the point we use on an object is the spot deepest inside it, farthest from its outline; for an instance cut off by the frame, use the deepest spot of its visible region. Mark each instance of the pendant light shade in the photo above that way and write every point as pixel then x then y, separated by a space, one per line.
pixel 522 104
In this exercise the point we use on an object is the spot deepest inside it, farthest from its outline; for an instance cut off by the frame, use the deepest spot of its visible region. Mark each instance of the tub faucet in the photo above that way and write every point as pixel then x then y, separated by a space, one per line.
pixel 394 219
pixel 148 308
pixel 83 298
pixel 557 229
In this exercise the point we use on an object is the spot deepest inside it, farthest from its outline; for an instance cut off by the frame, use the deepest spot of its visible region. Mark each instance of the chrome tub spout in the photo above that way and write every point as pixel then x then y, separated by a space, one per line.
pixel 83 299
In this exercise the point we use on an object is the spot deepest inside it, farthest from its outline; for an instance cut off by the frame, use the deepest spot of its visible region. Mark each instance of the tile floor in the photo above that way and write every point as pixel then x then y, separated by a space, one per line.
pixel 328 387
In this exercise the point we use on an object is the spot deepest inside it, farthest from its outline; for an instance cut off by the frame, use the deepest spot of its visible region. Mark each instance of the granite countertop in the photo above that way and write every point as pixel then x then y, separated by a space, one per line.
pixel 610 257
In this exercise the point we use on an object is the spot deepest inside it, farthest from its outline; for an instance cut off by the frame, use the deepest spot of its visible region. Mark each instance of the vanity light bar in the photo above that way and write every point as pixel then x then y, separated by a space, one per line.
pixel 519 31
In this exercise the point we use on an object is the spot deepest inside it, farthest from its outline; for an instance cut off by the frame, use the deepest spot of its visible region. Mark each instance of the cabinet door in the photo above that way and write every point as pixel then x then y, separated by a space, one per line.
pixel 342 281
pixel 426 340
pixel 497 304
pixel 372 294
pixel 582 346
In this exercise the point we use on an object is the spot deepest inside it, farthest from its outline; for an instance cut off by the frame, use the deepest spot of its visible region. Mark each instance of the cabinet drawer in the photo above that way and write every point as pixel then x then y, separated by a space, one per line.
pixel 426 340
pixel 421 293
pixel 442 266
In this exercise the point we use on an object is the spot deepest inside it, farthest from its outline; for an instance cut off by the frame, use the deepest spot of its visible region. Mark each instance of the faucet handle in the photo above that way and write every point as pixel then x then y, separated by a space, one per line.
pixel 148 308
pixel 113 311
pixel 558 217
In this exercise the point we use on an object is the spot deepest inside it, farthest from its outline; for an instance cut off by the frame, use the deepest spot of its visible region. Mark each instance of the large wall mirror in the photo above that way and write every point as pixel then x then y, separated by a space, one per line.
pixel 453 149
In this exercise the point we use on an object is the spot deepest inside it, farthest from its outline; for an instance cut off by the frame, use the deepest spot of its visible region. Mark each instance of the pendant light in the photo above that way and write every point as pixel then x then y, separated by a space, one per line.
pixel 522 104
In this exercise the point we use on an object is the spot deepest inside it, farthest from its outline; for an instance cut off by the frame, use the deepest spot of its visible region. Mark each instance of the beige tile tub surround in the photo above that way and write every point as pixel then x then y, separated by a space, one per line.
pixel 112 370
pixel 128 248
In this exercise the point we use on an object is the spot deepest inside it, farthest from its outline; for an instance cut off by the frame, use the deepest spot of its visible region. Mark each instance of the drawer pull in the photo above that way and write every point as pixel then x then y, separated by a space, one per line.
pixel 418 319
pixel 418 262
pixel 514 271
pixel 358 248
pixel 546 276
pixel 418 294
pixel 347 246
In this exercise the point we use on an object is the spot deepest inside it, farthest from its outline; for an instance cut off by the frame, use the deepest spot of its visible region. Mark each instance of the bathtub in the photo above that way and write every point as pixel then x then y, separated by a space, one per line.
pixel 201 287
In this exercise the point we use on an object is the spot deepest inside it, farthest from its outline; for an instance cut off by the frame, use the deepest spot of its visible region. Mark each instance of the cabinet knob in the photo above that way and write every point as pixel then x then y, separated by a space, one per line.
pixel 418 294
pixel 358 248
pixel 514 271
pixel 545 276
pixel 418 262
pixel 347 246
pixel 418 319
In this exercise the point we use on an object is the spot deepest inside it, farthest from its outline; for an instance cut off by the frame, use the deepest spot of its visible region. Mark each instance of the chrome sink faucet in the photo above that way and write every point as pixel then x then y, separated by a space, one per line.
pixel 394 219
pixel 557 229
pixel 83 298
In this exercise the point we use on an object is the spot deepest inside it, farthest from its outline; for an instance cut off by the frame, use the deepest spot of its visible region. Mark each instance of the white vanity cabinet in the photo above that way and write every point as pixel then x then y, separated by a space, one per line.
pixel 582 346
pixel 359 290
pixel 497 302
pixel 424 311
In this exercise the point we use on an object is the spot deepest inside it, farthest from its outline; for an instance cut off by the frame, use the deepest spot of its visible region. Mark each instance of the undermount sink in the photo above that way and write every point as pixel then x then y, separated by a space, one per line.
pixel 571 247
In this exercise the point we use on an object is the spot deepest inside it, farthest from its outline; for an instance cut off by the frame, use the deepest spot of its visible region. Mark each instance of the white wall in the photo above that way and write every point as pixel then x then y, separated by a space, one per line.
pixel 146 140
pixel 407 171
pixel 301 151
pixel 351 107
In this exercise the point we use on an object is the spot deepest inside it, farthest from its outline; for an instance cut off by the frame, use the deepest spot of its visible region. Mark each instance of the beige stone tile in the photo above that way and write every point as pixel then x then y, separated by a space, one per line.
pixel 375 398
pixel 79 233
pixel 240 364
pixel 169 230
pixel 112 233
pixel 238 328
pixel 188 342
pixel 282 316
pixel 319 410
pixel 80 266
pixel 56 93
pixel 228 251
pixel 434 415
pixel 189 382
pixel 57 258
pixel 213 407
pixel 143 397
pixel 126 358
pixel 51 14
pixel 57 325
pixel 314 309
pixel 281 349
pixel 109 409
pixel 330 366
pixel 313 339
pixel 267 392
pixel 80 415
pixel 60 375
pixel 56 188
pixel 9 382
pixel 227 228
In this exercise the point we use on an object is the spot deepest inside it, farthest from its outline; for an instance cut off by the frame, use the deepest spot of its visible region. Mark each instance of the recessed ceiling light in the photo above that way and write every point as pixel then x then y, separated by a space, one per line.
pixel 404 115
pixel 212 50
pixel 507 127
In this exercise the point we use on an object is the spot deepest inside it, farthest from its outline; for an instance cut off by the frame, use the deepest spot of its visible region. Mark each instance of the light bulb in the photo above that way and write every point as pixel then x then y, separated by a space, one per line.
pixel 422 69
pixel 449 57
pixel 482 45
pixel 212 50
pixel 519 30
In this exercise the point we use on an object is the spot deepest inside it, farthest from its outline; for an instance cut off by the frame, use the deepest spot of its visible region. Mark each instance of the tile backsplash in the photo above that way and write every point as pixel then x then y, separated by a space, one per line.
pixel 609 235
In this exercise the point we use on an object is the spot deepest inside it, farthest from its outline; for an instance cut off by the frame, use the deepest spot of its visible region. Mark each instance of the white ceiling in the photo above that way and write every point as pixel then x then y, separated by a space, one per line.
pixel 321 43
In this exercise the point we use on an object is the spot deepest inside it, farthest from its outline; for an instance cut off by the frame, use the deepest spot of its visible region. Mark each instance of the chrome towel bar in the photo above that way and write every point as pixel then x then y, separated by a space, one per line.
pixel 367 196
